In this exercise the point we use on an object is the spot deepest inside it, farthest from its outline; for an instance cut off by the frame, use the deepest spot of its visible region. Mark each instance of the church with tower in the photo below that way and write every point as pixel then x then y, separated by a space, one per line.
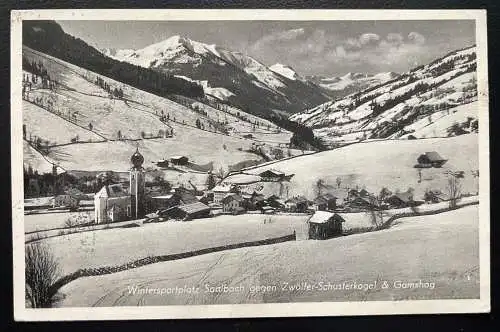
pixel 112 203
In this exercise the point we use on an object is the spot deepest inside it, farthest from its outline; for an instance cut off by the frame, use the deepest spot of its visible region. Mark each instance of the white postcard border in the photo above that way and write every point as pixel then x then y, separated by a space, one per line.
pixel 21 313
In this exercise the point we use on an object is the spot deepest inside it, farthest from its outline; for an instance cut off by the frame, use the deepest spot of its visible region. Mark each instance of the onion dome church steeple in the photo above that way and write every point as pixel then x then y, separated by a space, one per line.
pixel 137 186
pixel 137 159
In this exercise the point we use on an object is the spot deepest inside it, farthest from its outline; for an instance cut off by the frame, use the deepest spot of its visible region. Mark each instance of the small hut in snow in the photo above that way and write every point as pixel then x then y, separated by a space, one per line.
pixel 187 211
pixel 432 159
pixel 324 225
pixel 179 160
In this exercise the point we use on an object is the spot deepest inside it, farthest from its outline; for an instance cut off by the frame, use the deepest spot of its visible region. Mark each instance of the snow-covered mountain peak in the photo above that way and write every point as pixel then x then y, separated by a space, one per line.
pixel 176 43
pixel 386 76
pixel 175 48
pixel 353 76
pixel 117 53
pixel 240 76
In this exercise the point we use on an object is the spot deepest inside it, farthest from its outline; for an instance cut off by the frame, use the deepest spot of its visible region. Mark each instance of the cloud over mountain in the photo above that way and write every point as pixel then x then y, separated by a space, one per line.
pixel 315 48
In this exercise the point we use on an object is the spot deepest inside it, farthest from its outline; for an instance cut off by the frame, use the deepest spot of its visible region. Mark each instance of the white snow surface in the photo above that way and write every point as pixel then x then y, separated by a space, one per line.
pixel 217 92
pixel 284 70
pixel 442 248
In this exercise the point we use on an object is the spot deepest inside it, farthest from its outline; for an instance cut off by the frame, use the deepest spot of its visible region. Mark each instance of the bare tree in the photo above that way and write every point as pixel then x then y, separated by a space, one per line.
pixel 376 212
pixel 319 186
pixel 339 181
pixel 222 173
pixel 454 190
pixel 41 272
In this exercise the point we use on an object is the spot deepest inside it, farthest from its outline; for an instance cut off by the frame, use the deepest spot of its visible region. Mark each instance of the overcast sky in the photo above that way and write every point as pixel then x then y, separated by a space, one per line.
pixel 312 48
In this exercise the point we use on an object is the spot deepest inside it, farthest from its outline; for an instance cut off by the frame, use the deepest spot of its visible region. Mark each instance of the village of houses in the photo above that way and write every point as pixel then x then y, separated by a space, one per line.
pixel 135 199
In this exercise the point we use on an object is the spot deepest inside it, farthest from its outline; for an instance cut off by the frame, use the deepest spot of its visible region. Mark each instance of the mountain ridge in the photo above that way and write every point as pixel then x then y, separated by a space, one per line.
pixel 403 106
pixel 235 72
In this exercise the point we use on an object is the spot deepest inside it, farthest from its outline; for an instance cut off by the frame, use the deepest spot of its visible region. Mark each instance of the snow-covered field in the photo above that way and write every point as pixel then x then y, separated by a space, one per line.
pixel 200 146
pixel 122 245
pixel 51 127
pixel 377 164
pixel 441 250
pixel 46 221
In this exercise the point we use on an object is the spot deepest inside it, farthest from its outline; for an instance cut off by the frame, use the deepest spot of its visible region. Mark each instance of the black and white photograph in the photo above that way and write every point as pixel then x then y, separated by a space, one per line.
pixel 249 163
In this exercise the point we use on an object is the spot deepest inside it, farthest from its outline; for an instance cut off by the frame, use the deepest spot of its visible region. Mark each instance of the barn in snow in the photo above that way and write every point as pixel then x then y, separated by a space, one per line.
pixel 179 160
pixel 187 211
pixel 324 225
pixel 402 200
pixel 432 159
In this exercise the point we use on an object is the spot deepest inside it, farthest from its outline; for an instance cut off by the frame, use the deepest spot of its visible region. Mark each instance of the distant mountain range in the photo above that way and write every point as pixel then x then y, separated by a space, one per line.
pixel 420 103
pixel 229 76
pixel 433 100
pixel 352 82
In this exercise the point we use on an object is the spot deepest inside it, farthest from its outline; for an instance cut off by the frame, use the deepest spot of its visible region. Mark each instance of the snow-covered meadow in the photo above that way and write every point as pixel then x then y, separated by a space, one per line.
pixel 442 249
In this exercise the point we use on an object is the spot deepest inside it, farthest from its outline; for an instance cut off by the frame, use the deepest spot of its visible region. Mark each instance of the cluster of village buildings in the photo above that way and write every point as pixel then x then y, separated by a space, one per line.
pixel 112 202
pixel 115 202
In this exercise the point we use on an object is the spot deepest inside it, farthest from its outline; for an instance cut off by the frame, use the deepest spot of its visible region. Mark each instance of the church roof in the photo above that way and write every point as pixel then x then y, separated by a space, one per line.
pixel 115 190
pixel 112 190
pixel 220 188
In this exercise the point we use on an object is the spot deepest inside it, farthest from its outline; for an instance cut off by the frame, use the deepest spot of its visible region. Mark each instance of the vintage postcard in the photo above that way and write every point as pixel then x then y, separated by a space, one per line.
pixel 249 163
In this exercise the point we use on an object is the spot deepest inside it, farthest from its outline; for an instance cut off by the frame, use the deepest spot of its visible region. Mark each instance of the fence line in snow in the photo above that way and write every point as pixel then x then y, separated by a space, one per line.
pixel 87 272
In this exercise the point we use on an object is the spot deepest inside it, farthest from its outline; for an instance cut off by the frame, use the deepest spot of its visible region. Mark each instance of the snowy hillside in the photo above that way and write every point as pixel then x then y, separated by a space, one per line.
pixel 392 109
pixel 228 75
pixel 81 126
pixel 372 165
pixel 285 71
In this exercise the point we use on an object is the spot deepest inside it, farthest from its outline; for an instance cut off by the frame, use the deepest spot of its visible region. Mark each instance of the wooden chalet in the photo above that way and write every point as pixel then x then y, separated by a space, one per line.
pixel 275 202
pixel 297 204
pixel 431 159
pixel 187 211
pixel 363 202
pixel 324 202
pixel 401 200
pixel 319 204
pixel 324 225
pixel 233 203
pixel 220 191
pixel 266 209
pixel 177 196
pixel 272 175
pixel 179 160
pixel 352 194
pixel 435 196
pixel 162 163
